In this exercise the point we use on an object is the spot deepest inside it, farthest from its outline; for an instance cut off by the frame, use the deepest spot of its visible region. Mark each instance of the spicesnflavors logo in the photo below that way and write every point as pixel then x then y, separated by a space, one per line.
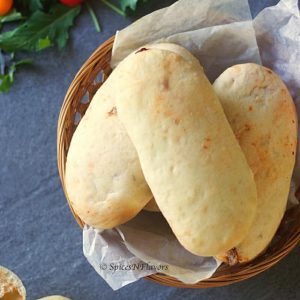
pixel 114 267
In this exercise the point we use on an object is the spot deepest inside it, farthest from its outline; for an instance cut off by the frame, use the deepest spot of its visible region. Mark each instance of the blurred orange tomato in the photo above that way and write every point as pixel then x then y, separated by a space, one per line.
pixel 5 7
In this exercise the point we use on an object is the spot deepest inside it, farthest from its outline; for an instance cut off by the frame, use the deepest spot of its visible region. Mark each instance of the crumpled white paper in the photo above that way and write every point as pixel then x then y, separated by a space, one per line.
pixel 107 253
pixel 182 16
pixel 157 245
pixel 278 37
pixel 219 34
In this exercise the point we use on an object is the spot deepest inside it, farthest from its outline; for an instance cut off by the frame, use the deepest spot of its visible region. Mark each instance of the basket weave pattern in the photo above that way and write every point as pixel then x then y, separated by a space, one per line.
pixel 85 84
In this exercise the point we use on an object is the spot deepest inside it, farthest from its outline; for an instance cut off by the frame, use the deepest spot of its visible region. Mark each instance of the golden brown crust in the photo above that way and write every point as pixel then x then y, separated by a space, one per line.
pixel 11 287
pixel 263 117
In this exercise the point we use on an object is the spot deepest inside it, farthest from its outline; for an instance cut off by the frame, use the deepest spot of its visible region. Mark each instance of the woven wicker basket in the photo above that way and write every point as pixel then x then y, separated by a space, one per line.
pixel 89 78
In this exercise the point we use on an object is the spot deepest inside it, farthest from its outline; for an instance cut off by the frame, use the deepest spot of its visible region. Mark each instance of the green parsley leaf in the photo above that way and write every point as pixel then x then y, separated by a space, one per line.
pixel 35 5
pixel 30 6
pixel 128 3
pixel 26 61
pixel 132 4
pixel 11 17
pixel 43 44
pixel 6 80
pixel 53 25
pixel 5 83
pixel 125 4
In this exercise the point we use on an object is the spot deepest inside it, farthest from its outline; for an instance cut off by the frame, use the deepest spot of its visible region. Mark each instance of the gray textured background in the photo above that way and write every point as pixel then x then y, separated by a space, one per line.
pixel 39 239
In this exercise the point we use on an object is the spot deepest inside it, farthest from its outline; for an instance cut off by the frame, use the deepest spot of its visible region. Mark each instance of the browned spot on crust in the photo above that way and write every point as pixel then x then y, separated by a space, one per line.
pixel 90 166
pixel 236 69
pixel 158 98
pixel 269 71
pixel 206 143
pixel 268 136
pixel 12 295
pixel 167 65
pixel 205 208
pixel 168 113
pixel 178 58
pixel 233 189
pixel 282 108
pixel 141 50
pixel 177 121
pixel 112 112
pixel 250 108
pixel 165 83
pixel 287 141
pixel 232 257
pixel 284 91
pixel 158 108
pixel 247 127
pixel 239 134
pixel 262 165
pixel 233 122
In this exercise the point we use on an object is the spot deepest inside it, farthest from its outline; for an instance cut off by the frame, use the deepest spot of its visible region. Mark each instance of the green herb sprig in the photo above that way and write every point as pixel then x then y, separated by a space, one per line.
pixel 40 24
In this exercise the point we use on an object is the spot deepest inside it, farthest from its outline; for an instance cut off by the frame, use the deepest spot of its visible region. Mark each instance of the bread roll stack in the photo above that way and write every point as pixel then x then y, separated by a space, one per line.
pixel 217 159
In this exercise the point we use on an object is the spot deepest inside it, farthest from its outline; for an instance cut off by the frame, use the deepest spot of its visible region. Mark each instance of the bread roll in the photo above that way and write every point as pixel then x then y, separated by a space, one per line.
pixel 205 191
pixel 11 287
pixel 152 204
pixel 104 180
pixel 262 115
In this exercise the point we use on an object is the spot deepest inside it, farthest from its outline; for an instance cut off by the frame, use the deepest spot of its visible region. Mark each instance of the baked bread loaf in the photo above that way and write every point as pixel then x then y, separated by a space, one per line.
pixel 189 155
pixel 152 204
pixel 11 287
pixel 262 115
pixel 104 180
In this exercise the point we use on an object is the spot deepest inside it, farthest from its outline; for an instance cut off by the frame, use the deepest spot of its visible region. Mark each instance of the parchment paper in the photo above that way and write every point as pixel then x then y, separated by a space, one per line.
pixel 220 34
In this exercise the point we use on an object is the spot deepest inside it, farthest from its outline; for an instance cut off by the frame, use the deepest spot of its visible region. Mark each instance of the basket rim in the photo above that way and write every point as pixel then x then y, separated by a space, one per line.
pixel 218 280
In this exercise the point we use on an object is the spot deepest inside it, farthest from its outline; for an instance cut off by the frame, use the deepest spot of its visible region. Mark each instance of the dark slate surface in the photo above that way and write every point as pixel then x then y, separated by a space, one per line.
pixel 39 238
